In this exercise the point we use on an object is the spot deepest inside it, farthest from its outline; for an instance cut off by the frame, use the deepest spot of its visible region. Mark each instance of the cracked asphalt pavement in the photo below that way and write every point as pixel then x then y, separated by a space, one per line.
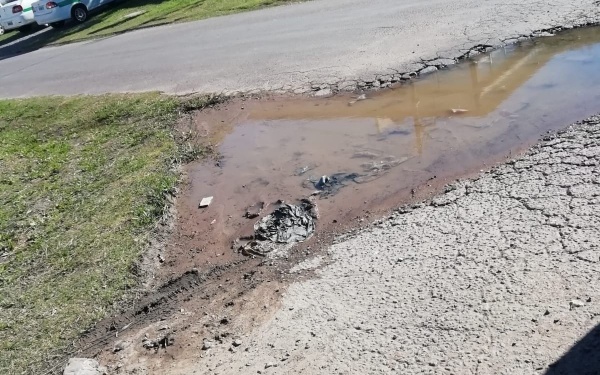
pixel 498 275
pixel 289 48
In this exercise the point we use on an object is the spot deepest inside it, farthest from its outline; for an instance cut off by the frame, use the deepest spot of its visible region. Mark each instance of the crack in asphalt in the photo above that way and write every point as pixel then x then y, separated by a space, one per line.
pixel 428 66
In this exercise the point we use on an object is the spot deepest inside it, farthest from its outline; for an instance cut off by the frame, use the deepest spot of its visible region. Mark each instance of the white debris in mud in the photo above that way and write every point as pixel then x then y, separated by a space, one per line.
pixel 205 202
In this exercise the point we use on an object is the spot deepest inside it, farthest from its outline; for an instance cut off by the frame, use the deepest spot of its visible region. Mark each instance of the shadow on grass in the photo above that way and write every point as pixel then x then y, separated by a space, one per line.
pixel 582 359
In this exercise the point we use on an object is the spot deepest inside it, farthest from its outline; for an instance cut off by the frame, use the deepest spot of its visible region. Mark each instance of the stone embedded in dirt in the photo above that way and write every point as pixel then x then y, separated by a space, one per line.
pixel 205 202
pixel 207 344
pixel 83 366
pixel 121 345
pixel 237 342
pixel 254 211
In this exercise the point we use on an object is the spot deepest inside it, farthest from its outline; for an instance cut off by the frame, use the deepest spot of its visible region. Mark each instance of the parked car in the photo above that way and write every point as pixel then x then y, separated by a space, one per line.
pixel 16 14
pixel 56 12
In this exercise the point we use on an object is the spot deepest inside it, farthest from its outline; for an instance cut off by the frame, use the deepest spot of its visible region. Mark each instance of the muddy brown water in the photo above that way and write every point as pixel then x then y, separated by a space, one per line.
pixel 445 125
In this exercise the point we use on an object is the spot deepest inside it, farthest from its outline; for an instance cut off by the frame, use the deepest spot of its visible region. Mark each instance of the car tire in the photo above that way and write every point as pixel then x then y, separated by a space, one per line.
pixel 79 13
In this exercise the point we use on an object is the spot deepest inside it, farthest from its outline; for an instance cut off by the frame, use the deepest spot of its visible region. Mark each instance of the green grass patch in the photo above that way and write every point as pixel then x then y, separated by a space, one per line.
pixel 83 182
pixel 128 15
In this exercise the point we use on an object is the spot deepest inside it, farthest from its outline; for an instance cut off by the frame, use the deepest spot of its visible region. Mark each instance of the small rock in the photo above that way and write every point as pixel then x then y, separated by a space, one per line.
pixel 207 344
pixel 119 346
pixel 237 342
pixel 575 303
pixel 205 202
pixel 323 92
pixel 427 70
pixel 270 364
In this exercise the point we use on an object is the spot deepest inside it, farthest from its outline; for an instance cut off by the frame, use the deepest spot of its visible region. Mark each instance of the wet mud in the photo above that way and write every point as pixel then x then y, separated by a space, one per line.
pixel 363 154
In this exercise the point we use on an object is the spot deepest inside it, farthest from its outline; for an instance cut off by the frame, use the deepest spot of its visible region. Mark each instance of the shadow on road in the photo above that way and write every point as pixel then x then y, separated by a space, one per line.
pixel 582 359
pixel 38 37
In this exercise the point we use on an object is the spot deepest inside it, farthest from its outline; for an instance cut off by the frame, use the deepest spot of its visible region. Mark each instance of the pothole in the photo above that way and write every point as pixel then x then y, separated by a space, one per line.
pixel 359 154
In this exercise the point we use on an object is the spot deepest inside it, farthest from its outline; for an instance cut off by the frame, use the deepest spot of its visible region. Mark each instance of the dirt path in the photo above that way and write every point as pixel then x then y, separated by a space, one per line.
pixel 497 275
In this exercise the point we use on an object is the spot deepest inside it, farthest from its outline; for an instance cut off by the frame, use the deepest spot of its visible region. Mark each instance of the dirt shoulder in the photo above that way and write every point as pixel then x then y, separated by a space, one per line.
pixel 496 275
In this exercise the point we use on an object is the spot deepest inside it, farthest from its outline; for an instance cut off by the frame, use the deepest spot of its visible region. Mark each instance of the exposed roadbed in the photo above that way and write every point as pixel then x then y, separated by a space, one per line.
pixel 324 44
pixel 497 275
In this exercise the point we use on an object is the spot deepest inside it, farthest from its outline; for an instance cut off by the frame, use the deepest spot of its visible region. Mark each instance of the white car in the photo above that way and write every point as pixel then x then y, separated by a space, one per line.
pixel 56 12
pixel 16 14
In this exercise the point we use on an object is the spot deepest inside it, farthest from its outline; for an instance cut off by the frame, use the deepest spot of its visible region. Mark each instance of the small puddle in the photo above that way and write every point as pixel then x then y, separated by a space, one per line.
pixel 448 124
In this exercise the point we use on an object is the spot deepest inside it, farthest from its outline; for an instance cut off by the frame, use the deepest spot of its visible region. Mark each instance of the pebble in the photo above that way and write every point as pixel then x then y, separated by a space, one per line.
pixel 575 303
pixel 207 344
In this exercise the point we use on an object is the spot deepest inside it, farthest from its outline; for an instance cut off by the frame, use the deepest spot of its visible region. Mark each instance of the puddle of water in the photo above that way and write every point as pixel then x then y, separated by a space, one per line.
pixel 445 125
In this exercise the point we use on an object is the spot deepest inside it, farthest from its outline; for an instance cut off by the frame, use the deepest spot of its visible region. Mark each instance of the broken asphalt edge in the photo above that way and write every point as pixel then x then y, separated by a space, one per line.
pixel 422 67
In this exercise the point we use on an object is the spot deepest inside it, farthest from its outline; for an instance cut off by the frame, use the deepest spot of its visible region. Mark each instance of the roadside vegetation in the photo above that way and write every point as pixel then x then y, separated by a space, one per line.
pixel 126 15
pixel 83 182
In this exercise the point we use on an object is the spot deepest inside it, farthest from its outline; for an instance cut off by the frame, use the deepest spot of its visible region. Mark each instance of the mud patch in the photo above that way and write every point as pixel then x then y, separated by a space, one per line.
pixel 361 154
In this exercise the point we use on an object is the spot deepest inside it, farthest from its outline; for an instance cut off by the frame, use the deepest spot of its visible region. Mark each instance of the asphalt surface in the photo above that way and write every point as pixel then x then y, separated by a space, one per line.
pixel 284 48
pixel 496 276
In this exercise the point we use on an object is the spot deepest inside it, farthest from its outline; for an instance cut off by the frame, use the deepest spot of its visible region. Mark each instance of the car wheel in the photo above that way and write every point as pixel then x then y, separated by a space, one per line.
pixel 58 25
pixel 79 13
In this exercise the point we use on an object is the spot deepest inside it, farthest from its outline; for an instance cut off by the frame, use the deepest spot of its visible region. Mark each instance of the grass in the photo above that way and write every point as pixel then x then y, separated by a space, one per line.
pixel 115 18
pixel 83 182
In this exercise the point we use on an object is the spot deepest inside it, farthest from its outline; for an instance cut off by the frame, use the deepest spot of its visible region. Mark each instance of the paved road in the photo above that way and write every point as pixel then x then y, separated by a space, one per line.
pixel 284 47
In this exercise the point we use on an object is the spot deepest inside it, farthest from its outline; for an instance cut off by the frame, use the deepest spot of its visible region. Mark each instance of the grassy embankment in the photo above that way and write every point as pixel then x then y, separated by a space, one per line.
pixel 83 181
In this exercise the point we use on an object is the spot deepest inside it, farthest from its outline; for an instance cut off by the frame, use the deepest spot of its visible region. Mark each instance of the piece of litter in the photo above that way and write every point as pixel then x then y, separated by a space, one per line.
pixel 214 221
pixel 205 202
pixel 458 110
